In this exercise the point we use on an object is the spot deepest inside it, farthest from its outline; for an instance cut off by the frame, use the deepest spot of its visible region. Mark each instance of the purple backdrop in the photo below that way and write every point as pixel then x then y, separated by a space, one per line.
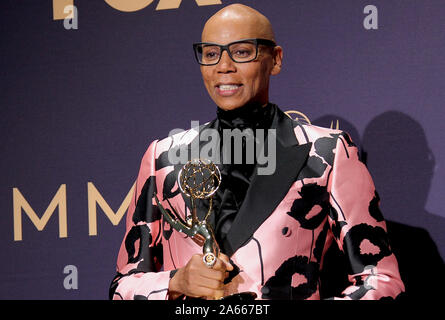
pixel 81 105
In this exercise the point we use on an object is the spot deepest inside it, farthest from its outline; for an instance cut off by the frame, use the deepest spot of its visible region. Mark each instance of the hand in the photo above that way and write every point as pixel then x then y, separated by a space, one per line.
pixel 196 280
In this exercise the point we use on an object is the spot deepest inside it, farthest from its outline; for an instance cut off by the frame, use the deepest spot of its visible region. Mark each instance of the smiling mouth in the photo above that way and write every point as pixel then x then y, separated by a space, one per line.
pixel 228 89
pixel 225 87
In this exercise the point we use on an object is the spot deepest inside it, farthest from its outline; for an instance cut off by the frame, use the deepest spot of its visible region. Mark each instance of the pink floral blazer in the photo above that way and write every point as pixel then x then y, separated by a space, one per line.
pixel 320 192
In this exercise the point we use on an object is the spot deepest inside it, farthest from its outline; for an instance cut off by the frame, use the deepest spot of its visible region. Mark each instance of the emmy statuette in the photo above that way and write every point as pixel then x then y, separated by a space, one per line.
pixel 200 179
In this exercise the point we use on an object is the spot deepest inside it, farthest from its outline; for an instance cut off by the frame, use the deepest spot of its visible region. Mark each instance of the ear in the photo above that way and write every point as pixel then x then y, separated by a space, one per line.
pixel 277 60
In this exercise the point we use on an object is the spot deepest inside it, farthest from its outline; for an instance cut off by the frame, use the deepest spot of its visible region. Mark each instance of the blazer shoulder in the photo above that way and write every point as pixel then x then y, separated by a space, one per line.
pixel 181 136
pixel 311 133
pixel 177 142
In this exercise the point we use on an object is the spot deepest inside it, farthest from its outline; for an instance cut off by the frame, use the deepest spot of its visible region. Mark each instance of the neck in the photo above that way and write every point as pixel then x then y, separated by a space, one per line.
pixel 253 115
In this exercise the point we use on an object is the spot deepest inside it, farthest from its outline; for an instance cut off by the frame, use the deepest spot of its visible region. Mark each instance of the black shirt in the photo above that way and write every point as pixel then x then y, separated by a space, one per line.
pixel 236 178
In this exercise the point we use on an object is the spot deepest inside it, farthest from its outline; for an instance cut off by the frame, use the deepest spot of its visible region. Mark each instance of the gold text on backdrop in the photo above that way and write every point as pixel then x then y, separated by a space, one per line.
pixel 127 5
pixel 59 201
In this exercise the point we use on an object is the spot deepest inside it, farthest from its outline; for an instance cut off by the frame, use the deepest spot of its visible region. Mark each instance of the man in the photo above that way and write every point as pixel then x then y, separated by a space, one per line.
pixel 273 229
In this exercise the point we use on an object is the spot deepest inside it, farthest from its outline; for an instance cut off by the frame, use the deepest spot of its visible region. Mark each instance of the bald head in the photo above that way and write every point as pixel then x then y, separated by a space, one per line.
pixel 246 21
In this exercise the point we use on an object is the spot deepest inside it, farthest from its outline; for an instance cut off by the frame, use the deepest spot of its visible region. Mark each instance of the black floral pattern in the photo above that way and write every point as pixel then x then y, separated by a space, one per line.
pixel 147 257
pixel 355 236
pixel 325 146
pixel 374 209
pixel 145 211
pixel 311 195
pixel 279 286
pixel 314 168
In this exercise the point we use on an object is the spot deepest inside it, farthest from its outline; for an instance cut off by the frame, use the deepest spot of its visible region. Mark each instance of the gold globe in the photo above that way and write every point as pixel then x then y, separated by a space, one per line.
pixel 199 178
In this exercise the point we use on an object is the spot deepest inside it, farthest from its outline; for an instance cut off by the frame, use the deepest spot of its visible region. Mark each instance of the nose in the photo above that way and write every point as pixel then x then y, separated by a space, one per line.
pixel 226 64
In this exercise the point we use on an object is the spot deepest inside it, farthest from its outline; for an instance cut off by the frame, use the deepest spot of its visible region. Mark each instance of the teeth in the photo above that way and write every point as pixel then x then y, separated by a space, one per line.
pixel 228 87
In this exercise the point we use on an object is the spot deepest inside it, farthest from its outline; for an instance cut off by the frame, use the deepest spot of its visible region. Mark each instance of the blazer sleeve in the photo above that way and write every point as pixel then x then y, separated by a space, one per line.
pixel 359 227
pixel 140 259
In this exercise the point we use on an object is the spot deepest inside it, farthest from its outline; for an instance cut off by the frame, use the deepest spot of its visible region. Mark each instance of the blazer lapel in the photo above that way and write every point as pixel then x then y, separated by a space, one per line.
pixel 267 191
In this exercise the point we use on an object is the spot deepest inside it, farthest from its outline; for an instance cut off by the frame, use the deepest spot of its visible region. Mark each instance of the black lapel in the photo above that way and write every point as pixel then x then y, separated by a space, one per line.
pixel 267 191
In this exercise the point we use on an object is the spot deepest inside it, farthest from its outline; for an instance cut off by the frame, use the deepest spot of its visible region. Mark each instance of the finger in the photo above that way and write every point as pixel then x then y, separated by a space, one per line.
pixel 214 295
pixel 218 275
pixel 206 293
pixel 222 265
pixel 218 294
pixel 201 286
pixel 214 284
pixel 226 261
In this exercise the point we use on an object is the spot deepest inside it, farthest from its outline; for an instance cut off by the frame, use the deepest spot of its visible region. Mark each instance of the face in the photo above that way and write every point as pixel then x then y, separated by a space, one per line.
pixel 232 85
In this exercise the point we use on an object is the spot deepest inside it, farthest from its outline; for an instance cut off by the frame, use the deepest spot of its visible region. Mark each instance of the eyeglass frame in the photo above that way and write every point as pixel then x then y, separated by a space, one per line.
pixel 223 48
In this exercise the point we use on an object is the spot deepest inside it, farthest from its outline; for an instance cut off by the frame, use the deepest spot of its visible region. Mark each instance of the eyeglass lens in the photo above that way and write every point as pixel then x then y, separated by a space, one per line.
pixel 240 52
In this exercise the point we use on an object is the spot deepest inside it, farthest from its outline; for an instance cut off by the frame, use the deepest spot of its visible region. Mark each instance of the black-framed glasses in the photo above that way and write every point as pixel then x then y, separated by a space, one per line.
pixel 241 51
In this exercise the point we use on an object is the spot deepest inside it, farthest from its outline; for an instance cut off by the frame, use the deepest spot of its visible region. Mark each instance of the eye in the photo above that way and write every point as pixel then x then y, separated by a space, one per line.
pixel 242 53
pixel 210 53
pixel 242 50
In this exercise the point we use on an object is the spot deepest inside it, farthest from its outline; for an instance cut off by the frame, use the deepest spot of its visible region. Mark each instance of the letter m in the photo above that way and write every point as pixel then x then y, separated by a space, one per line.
pixel 59 200
pixel 94 197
